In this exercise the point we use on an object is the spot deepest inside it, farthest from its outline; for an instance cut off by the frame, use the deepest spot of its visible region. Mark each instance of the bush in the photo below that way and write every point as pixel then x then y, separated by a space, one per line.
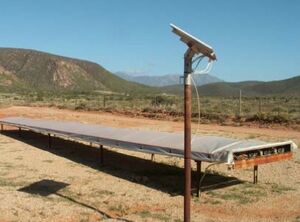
pixel 162 100
pixel 81 106
pixel 269 118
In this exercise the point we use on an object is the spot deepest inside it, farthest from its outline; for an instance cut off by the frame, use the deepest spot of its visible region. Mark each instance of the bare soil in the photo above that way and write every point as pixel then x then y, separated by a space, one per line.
pixel 66 183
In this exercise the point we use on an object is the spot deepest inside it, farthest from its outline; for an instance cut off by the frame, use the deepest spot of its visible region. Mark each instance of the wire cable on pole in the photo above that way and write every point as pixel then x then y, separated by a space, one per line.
pixel 206 70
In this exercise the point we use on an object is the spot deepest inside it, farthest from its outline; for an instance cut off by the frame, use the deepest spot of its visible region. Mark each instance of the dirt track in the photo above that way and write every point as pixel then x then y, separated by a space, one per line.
pixel 130 186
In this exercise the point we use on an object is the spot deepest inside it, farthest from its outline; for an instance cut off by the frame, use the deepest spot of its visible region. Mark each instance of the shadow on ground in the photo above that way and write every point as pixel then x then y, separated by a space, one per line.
pixel 155 175
pixel 51 187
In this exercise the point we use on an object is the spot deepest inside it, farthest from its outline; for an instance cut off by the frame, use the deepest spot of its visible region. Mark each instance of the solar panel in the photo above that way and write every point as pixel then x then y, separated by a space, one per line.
pixel 194 43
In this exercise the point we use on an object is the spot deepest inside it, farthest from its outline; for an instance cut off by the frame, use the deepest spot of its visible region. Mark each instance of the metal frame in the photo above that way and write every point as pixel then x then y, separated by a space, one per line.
pixel 199 163
pixel 262 160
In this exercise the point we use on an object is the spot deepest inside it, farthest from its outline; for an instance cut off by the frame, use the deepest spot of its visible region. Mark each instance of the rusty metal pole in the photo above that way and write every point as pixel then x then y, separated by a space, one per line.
pixel 255 174
pixel 187 133
pixel 240 104
pixel 198 177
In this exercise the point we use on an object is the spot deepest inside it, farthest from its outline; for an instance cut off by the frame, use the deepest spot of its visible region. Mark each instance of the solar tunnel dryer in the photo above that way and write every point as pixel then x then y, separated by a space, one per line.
pixel 235 153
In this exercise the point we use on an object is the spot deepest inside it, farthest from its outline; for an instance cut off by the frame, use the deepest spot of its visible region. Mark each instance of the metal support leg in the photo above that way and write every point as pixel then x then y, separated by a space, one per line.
pixel 49 141
pixel 2 128
pixel 152 157
pixel 20 130
pixel 101 155
pixel 198 177
pixel 255 174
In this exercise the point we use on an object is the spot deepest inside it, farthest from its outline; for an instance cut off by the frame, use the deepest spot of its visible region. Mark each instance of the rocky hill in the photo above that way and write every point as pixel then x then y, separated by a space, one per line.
pixel 30 69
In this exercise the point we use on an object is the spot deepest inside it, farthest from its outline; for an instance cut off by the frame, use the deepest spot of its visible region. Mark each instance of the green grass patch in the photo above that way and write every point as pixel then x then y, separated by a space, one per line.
pixel 243 194
pixel 212 201
pixel 9 182
pixel 121 209
pixel 276 188
pixel 158 216
pixel 144 214
pixel 48 161
pixel 102 193
pixel 297 219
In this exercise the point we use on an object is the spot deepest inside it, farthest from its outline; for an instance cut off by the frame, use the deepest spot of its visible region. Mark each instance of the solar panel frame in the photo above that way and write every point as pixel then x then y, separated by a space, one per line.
pixel 194 43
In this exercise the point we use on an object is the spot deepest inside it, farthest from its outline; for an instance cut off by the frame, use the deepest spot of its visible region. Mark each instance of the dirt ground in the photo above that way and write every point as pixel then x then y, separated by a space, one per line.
pixel 66 182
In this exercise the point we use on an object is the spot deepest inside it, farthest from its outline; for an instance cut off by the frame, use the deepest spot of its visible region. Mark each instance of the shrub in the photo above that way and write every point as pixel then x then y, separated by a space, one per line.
pixel 162 100
pixel 269 118
pixel 81 106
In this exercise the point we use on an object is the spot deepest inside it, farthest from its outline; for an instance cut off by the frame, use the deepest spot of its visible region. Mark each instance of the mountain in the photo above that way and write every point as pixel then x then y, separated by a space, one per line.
pixel 23 69
pixel 166 80
pixel 284 87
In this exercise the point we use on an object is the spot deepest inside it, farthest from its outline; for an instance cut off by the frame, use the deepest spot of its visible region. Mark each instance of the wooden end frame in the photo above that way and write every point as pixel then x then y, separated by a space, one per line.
pixel 239 164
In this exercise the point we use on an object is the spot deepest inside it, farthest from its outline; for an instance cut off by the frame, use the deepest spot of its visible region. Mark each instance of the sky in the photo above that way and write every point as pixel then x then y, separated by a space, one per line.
pixel 253 39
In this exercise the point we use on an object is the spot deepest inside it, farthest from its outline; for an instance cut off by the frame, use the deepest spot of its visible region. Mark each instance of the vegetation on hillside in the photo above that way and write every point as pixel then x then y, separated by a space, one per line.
pixel 29 70
pixel 24 70
pixel 287 87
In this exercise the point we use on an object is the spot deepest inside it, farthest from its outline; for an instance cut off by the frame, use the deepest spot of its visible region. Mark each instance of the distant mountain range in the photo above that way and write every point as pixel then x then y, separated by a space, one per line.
pixel 24 69
pixel 166 80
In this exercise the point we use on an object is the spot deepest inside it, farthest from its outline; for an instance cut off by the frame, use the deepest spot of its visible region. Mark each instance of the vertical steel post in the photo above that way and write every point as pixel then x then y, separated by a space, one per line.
pixel 101 155
pixel 255 174
pixel 198 177
pixel 187 133
pixel 49 141
pixel 240 103
pixel 19 132
pixel 1 127
pixel 152 157
pixel 104 101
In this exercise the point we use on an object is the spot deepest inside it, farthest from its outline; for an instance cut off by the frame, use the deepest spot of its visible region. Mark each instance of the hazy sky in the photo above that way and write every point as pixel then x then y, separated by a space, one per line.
pixel 254 39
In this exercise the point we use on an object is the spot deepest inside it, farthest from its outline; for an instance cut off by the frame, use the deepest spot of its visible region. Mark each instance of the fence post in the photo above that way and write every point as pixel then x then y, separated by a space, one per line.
pixel 240 103
pixel 104 101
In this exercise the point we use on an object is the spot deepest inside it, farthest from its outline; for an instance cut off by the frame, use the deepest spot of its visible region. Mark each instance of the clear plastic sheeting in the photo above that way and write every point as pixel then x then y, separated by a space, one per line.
pixel 204 148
